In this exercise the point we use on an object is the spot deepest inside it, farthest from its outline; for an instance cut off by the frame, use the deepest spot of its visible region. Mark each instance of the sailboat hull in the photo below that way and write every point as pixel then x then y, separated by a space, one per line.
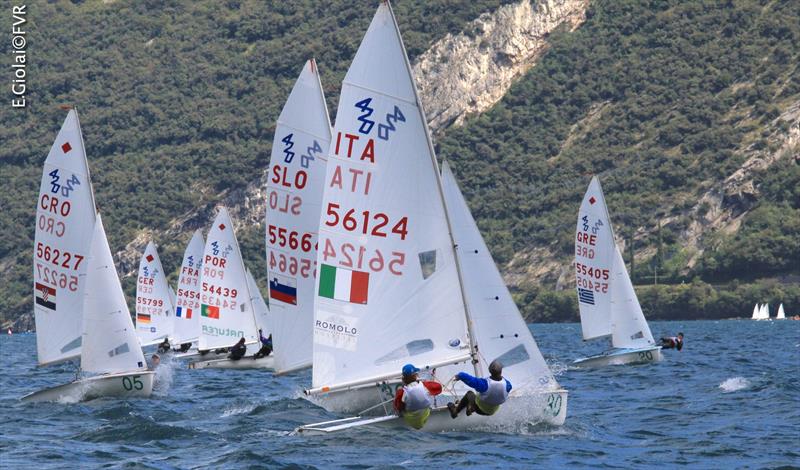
pixel 194 355
pixel 248 362
pixel 546 407
pixel 137 384
pixel 619 357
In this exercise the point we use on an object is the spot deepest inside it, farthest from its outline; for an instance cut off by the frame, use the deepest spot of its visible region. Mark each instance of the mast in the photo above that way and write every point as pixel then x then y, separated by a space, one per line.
pixel 86 160
pixel 473 347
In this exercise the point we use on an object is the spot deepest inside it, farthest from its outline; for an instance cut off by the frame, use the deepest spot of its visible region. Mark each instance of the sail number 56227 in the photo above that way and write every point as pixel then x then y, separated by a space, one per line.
pixel 366 222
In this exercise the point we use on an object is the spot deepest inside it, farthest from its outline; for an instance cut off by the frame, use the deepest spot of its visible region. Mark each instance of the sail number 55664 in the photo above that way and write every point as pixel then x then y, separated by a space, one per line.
pixel 366 222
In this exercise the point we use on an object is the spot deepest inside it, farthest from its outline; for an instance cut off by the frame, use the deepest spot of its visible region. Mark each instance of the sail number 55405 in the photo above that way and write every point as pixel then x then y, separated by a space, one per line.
pixel 366 222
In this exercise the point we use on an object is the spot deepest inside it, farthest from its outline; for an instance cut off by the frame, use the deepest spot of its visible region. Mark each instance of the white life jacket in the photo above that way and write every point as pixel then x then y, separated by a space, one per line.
pixel 496 394
pixel 416 397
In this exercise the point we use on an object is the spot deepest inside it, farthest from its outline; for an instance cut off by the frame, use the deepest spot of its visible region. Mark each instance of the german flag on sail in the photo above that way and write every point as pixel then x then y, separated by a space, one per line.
pixel 142 318
pixel 209 311
pixel 46 296
pixel 343 284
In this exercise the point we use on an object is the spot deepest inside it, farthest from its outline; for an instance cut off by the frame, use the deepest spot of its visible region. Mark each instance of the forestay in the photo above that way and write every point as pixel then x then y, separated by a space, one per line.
pixel 109 341
pixel 294 197
pixel 500 331
pixel 260 308
pixel 154 304
pixel 226 313
pixel 187 297
pixel 388 290
pixel 630 329
pixel 65 217
pixel 594 257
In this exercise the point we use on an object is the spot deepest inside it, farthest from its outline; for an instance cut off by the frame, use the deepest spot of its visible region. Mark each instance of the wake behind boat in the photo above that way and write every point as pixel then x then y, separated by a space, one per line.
pixel 607 301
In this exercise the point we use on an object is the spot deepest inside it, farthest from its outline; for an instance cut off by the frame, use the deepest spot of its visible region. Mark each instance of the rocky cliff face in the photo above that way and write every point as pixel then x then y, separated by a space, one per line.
pixel 468 73
pixel 459 75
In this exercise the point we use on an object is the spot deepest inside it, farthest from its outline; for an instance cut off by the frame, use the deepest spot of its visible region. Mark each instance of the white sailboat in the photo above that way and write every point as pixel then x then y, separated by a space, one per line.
pixel 755 312
pixel 781 314
pixel 187 297
pixel 226 305
pixel 607 301
pixel 294 197
pixel 389 291
pixel 154 302
pixel 110 349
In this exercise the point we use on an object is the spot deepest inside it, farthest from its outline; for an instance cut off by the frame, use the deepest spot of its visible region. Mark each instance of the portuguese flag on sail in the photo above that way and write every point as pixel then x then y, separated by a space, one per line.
pixel 343 284
pixel 209 311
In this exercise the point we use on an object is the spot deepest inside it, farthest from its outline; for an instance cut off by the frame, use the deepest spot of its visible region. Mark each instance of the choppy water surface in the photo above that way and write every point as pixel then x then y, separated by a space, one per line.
pixel 731 399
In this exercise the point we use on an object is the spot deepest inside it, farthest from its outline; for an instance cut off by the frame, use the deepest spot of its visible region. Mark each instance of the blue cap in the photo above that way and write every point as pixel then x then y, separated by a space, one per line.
pixel 409 369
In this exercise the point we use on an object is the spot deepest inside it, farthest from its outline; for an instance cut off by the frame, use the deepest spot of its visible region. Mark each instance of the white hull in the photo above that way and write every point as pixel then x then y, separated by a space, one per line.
pixel 546 407
pixel 619 357
pixel 137 384
pixel 247 362
pixel 193 355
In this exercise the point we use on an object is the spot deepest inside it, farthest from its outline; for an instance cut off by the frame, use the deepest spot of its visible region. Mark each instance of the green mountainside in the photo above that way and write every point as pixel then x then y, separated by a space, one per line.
pixel 663 99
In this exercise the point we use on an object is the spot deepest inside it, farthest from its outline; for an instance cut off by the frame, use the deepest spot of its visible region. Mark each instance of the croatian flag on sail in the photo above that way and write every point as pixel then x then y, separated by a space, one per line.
pixel 343 284
pixel 586 296
pixel 182 312
pixel 284 289
pixel 46 296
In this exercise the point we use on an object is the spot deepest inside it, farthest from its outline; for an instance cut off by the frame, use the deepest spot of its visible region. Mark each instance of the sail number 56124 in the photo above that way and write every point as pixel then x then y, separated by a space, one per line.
pixel 366 222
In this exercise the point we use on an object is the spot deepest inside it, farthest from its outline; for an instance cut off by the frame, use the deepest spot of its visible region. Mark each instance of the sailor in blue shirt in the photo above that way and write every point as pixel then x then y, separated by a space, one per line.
pixel 492 392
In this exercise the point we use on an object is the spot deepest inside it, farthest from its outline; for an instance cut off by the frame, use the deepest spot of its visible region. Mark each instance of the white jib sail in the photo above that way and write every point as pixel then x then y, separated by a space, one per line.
pixel 260 308
pixel 294 200
pixel 500 331
pixel 630 329
pixel 154 305
pixel 781 313
pixel 388 290
pixel 109 339
pixel 65 217
pixel 187 297
pixel 226 313
pixel 594 257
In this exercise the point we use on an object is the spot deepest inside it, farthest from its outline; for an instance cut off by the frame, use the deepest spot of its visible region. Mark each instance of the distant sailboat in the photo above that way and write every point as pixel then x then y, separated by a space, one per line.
pixel 606 299
pixel 154 301
pixel 110 350
pixel 227 310
pixel 294 198
pixel 781 313
pixel 756 312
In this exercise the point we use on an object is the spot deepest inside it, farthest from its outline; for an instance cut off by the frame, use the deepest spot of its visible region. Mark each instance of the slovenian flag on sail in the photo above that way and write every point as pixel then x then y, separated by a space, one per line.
pixel 283 288
pixel 46 296
pixel 343 284
pixel 183 312
pixel 209 311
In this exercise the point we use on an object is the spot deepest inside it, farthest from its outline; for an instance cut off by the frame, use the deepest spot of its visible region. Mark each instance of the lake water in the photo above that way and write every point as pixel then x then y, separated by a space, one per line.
pixel 730 399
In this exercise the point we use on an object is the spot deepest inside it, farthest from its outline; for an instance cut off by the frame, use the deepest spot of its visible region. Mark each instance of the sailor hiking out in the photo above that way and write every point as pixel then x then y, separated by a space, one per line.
pixel 414 399
pixel 492 392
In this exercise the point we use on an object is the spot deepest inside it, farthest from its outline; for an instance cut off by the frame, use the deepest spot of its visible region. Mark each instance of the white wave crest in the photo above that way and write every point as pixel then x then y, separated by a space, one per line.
pixel 734 384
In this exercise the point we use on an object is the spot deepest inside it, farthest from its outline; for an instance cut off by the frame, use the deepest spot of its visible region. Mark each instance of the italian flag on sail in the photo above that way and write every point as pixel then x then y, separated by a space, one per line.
pixel 343 284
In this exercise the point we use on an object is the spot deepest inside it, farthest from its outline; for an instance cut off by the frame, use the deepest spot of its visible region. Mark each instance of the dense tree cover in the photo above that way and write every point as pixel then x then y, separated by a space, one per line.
pixel 177 101
pixel 660 98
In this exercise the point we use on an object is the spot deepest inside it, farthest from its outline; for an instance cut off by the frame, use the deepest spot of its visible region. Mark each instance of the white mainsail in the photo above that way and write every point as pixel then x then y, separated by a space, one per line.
pixel 109 339
pixel 389 290
pixel 765 312
pixel 226 312
pixel 628 326
pixel 65 218
pixel 500 331
pixel 187 297
pixel 781 313
pixel 294 197
pixel 260 308
pixel 755 312
pixel 594 259
pixel 154 304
